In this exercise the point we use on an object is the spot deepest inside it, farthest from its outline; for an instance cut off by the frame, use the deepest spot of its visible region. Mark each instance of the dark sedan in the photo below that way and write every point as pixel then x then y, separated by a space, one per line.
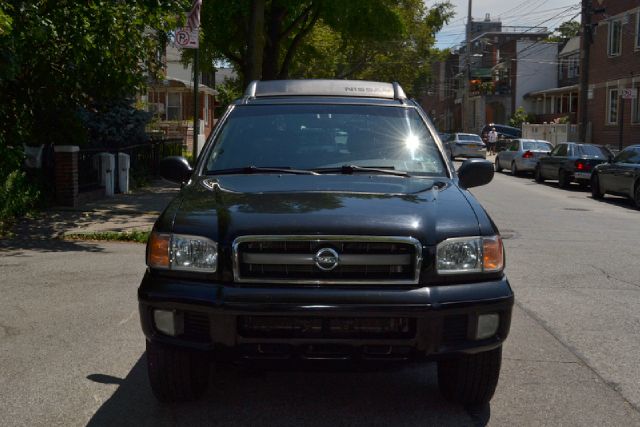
pixel 570 162
pixel 621 177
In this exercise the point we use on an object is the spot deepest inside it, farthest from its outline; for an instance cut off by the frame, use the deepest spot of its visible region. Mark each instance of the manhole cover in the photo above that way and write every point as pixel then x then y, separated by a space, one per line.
pixel 577 209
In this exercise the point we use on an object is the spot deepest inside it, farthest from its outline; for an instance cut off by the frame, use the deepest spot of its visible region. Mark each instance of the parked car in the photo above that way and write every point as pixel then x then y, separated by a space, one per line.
pixel 621 177
pixel 570 161
pixel 466 145
pixel 504 131
pixel 522 155
pixel 323 221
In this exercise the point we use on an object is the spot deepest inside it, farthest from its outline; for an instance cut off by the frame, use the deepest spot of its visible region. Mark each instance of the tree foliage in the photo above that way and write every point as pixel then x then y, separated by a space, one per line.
pixel 58 56
pixel 565 31
pixel 519 117
pixel 369 39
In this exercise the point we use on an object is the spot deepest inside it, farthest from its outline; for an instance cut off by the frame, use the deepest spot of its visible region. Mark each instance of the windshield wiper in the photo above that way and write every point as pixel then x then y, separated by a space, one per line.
pixel 350 169
pixel 258 169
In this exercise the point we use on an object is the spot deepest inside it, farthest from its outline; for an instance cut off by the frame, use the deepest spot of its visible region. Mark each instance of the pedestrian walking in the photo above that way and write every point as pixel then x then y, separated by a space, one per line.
pixel 492 139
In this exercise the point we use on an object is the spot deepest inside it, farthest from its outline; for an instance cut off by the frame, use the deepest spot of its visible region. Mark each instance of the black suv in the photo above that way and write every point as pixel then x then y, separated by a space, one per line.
pixel 324 221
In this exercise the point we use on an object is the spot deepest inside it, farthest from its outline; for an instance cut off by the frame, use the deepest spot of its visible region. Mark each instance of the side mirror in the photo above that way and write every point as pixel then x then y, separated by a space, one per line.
pixel 475 172
pixel 175 168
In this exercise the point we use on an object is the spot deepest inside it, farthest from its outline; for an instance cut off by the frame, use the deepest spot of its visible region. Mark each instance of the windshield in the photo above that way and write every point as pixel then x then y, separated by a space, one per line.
pixel 325 136
pixel 591 150
pixel 536 146
pixel 469 138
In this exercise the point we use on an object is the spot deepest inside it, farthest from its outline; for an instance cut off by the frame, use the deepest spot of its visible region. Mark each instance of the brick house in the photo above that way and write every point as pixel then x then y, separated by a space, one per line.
pixel 614 65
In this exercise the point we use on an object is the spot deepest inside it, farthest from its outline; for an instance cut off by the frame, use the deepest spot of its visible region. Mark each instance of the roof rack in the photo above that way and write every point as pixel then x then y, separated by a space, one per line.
pixel 351 88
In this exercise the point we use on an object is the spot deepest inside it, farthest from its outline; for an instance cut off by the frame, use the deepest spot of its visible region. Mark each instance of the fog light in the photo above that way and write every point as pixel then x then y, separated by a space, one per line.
pixel 487 325
pixel 168 322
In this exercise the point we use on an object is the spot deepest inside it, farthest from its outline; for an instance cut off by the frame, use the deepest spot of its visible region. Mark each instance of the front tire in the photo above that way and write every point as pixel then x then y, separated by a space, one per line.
pixel 563 179
pixel 470 379
pixel 176 374
pixel 537 175
pixel 497 165
pixel 514 169
pixel 596 191
pixel 636 197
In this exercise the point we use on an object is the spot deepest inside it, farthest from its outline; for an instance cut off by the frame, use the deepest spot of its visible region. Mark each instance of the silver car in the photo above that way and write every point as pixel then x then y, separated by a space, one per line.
pixel 466 145
pixel 522 155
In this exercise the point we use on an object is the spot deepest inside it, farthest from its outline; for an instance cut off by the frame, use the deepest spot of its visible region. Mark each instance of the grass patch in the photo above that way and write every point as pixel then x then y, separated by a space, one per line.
pixel 137 236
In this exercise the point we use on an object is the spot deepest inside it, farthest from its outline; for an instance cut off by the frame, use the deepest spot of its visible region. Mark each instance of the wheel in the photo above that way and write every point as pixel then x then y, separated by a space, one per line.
pixel 563 179
pixel 514 169
pixel 470 379
pixel 636 195
pixel 176 374
pixel 497 165
pixel 596 191
pixel 537 175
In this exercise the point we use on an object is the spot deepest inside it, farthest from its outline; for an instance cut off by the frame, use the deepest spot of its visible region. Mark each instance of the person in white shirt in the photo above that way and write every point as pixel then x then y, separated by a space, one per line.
pixel 492 139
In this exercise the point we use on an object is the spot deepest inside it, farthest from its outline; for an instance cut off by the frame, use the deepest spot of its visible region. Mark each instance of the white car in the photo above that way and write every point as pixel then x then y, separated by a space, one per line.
pixel 522 155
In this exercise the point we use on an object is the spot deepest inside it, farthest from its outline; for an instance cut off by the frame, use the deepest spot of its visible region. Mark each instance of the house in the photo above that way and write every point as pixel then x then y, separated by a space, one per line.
pixel 503 64
pixel 171 100
pixel 613 67
pixel 559 101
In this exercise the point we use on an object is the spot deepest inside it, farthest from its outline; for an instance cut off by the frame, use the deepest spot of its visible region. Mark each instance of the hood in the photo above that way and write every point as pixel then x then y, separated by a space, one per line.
pixel 228 206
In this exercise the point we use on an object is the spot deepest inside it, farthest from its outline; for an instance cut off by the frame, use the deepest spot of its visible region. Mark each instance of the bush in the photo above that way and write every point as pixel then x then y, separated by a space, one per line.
pixel 17 197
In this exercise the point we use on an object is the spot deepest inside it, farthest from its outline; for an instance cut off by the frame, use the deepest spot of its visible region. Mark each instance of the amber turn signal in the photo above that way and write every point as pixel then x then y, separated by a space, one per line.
pixel 158 250
pixel 493 254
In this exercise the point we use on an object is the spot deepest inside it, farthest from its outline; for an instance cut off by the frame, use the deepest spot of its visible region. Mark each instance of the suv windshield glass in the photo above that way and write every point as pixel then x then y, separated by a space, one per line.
pixel 536 146
pixel 590 150
pixel 325 136
pixel 469 137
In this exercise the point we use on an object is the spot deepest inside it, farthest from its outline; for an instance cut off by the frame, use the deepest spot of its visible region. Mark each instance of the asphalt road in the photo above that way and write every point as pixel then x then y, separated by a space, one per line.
pixel 72 353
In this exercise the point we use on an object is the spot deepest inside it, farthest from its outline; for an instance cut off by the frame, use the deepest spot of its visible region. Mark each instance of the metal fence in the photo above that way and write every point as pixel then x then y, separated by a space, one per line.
pixel 144 160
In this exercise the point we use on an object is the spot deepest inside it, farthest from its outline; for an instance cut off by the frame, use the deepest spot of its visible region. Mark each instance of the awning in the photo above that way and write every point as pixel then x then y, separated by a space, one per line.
pixel 553 91
pixel 481 72
pixel 172 82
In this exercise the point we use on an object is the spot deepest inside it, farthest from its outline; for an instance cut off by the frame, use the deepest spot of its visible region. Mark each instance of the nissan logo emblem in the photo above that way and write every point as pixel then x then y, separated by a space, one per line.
pixel 326 259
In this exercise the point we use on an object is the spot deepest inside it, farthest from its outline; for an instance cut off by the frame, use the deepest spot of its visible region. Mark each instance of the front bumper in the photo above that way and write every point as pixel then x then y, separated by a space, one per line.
pixel 442 319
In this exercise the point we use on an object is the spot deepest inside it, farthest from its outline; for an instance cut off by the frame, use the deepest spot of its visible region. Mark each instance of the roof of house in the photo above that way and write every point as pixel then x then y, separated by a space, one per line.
pixel 572 46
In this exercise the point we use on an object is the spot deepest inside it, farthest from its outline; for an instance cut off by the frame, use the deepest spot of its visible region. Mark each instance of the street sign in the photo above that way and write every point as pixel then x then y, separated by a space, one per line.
pixel 629 93
pixel 187 38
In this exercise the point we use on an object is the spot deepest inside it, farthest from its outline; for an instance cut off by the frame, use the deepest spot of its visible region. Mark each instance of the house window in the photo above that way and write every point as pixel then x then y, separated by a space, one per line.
pixel 574 67
pixel 612 106
pixel 635 103
pixel 638 30
pixel 615 38
pixel 174 106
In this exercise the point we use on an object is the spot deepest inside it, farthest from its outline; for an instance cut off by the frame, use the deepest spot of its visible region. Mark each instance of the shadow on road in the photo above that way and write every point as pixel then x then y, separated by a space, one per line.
pixel 17 246
pixel 238 395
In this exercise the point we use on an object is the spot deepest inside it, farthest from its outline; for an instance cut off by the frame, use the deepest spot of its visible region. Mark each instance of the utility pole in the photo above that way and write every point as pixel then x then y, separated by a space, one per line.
pixel 466 110
pixel 196 95
pixel 585 42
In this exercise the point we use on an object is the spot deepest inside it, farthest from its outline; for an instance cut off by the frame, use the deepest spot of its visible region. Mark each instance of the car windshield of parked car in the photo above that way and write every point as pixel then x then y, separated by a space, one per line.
pixel 326 136
pixel 591 150
pixel 469 138
pixel 536 146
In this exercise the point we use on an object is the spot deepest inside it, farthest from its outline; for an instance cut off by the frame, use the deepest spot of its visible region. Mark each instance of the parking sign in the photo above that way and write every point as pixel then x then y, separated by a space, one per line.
pixel 629 93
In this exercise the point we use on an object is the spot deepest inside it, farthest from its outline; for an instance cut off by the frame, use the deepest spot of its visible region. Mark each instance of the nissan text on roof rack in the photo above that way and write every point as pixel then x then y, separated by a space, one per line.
pixel 323 221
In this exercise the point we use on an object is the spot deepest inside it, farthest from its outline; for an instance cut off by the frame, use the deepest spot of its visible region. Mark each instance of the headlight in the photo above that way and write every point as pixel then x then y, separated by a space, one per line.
pixel 182 252
pixel 470 255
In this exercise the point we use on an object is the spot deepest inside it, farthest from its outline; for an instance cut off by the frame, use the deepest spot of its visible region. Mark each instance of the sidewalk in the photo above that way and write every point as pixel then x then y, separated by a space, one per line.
pixel 137 210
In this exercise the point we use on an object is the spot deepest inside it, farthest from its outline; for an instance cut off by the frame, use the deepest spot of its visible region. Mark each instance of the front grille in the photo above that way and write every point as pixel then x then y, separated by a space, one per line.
pixel 454 329
pixel 325 327
pixel 196 327
pixel 327 259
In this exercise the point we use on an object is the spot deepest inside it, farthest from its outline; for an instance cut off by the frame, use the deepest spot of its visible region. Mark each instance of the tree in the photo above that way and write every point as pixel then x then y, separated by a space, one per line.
pixel 565 31
pixel 342 38
pixel 519 117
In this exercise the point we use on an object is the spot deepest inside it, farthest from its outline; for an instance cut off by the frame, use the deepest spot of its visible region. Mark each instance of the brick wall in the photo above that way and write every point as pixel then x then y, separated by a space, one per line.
pixel 66 175
pixel 615 71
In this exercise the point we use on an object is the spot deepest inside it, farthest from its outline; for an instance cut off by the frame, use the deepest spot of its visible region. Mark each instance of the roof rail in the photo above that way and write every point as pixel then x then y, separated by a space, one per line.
pixel 319 87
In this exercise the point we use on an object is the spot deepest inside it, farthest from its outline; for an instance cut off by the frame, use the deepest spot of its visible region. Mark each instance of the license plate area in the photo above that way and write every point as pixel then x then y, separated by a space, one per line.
pixel 326 327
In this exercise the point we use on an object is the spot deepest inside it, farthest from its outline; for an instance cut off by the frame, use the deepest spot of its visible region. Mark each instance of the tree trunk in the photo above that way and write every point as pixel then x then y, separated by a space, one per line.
pixel 255 42
pixel 271 61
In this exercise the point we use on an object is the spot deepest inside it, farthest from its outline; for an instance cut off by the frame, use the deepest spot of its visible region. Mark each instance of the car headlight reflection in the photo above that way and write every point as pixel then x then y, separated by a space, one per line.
pixel 470 255
pixel 182 252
